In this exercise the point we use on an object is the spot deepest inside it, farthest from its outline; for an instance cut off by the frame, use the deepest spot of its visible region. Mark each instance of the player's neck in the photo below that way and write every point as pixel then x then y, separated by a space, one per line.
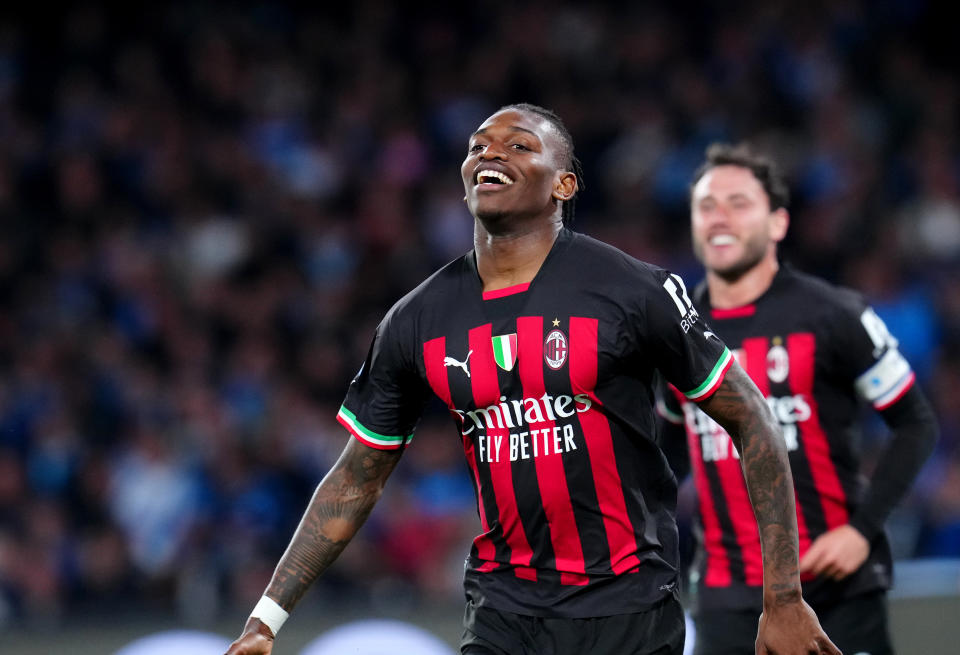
pixel 727 293
pixel 511 258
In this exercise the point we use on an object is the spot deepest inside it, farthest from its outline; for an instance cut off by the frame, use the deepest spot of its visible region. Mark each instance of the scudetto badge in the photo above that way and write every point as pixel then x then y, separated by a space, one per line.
pixel 555 349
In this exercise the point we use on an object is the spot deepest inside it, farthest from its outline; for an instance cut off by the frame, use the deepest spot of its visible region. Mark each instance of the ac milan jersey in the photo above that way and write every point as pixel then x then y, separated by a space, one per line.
pixel 815 351
pixel 551 389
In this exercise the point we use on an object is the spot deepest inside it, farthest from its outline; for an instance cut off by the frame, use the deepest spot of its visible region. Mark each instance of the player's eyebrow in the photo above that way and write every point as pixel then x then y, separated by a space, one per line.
pixel 738 195
pixel 512 128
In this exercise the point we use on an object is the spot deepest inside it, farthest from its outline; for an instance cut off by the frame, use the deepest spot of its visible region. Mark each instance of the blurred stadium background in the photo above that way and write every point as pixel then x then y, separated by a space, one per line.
pixel 206 209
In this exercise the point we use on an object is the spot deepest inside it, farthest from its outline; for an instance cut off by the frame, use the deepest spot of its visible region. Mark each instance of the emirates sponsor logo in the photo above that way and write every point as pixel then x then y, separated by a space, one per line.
pixel 508 414
pixel 715 443
pixel 555 349
pixel 511 420
pixel 533 443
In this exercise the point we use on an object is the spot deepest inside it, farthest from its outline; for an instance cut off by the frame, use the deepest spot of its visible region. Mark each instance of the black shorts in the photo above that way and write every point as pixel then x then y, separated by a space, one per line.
pixel 856 625
pixel 657 631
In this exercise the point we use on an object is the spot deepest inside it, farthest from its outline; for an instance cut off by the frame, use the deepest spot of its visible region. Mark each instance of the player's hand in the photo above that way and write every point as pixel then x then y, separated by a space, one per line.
pixel 792 629
pixel 836 554
pixel 255 640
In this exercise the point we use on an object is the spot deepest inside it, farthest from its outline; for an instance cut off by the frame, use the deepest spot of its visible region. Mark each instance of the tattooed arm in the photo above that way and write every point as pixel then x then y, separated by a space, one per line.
pixel 787 624
pixel 341 503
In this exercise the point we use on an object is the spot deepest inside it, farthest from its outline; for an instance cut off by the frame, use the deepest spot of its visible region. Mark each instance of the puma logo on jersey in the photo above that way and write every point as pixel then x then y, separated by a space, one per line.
pixel 708 334
pixel 450 361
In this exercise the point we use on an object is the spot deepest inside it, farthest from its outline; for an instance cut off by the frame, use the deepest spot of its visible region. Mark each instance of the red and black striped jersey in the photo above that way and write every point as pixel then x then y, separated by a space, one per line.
pixel 816 351
pixel 551 390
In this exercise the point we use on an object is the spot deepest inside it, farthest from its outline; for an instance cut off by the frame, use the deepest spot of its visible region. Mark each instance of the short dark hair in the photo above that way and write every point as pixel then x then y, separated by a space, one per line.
pixel 568 158
pixel 763 168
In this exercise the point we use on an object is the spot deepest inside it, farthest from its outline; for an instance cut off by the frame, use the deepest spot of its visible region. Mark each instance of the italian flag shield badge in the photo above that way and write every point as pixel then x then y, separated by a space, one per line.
pixel 505 351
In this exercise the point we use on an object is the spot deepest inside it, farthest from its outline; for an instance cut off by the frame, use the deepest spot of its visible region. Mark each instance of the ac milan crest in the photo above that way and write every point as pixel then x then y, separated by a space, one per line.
pixel 778 363
pixel 555 349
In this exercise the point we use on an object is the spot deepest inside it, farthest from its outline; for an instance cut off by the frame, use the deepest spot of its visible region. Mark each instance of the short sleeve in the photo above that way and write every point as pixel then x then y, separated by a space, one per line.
pixel 668 403
pixel 386 398
pixel 684 349
pixel 866 349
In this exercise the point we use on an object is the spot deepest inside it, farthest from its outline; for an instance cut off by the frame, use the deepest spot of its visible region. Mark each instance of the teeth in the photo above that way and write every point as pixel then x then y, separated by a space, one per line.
pixel 722 240
pixel 488 175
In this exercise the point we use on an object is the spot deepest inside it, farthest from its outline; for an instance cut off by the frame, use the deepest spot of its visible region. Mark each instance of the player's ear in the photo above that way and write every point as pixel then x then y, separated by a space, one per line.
pixel 780 221
pixel 565 185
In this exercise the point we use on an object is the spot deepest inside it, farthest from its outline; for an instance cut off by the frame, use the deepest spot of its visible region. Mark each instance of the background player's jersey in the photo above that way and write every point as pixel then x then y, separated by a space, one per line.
pixel 550 386
pixel 815 351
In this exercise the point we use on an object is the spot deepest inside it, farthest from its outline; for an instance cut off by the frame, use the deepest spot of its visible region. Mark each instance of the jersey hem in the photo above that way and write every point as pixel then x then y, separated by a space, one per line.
pixel 369 437
pixel 668 414
pixel 706 389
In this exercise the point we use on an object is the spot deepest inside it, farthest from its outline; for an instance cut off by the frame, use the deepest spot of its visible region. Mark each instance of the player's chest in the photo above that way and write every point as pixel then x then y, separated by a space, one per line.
pixel 776 353
pixel 546 359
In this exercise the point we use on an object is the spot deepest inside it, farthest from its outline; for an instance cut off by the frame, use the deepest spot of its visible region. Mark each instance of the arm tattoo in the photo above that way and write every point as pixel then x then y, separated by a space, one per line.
pixel 342 502
pixel 738 406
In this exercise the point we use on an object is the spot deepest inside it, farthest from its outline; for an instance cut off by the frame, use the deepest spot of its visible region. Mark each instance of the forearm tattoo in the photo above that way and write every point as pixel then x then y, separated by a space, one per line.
pixel 341 503
pixel 739 407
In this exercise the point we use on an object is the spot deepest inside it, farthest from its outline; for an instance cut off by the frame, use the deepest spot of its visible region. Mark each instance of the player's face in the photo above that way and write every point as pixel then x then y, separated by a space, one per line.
pixel 512 167
pixel 732 226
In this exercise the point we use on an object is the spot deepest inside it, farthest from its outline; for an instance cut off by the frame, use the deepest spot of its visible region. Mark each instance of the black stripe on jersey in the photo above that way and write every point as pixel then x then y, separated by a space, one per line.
pixel 593 533
pixel 722 507
pixel 461 390
pixel 526 485
pixel 807 495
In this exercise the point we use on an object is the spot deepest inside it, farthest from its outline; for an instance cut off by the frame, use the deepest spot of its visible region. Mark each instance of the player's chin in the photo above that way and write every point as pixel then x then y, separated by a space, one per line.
pixel 490 212
pixel 726 267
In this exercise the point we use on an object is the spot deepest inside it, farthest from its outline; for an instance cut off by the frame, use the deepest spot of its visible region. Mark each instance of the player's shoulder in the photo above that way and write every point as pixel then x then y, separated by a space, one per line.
pixel 601 260
pixel 817 292
pixel 442 286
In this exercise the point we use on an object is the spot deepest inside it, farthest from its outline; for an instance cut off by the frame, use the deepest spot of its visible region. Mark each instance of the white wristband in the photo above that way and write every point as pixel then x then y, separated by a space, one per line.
pixel 270 614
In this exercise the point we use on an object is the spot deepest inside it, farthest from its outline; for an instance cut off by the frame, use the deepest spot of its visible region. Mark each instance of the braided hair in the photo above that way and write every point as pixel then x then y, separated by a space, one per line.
pixel 568 159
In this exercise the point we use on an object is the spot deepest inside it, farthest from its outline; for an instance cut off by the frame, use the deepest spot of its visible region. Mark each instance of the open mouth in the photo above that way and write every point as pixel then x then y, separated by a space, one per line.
pixel 722 240
pixel 487 176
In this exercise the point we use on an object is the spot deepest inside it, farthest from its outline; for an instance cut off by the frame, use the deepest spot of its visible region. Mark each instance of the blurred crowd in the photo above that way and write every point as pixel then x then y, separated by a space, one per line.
pixel 206 211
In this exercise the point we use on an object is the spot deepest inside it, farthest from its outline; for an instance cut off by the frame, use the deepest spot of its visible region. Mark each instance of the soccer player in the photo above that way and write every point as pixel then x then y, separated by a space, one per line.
pixel 814 350
pixel 544 344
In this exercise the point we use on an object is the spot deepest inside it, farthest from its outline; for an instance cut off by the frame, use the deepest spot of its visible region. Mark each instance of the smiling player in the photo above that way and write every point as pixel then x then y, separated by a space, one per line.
pixel 544 344
pixel 814 350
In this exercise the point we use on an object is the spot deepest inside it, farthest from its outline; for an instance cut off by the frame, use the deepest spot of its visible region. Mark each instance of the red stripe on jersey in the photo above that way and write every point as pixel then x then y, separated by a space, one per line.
pixel 551 476
pixel 718 562
pixel 755 362
pixel 433 353
pixel 506 291
pixel 596 430
pixel 486 392
pixel 755 355
pixel 735 312
pixel 574 579
pixel 735 487
pixel 801 351
pixel 741 515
